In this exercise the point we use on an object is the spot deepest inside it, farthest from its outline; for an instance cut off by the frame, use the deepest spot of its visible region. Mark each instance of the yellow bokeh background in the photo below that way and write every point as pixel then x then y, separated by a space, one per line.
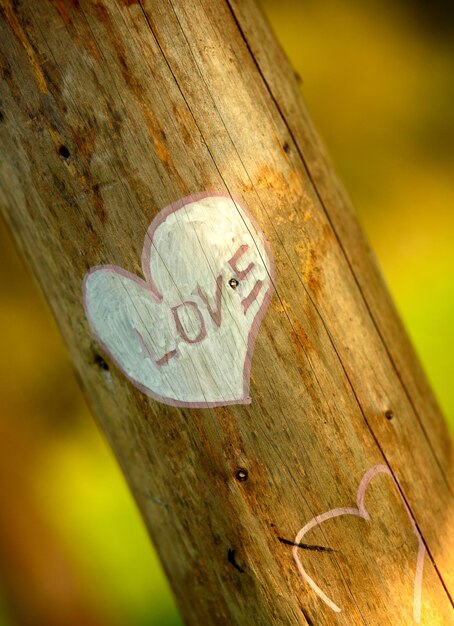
pixel 378 80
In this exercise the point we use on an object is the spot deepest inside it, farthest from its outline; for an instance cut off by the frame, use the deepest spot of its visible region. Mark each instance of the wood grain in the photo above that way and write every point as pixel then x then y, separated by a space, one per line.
pixel 113 110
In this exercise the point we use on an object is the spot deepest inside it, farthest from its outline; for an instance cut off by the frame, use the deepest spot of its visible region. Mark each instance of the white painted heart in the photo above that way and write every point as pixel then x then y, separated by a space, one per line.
pixel 185 335
pixel 360 511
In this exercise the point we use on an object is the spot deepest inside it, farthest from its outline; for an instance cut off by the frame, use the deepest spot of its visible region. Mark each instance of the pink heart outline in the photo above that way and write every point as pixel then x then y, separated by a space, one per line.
pixel 360 511
pixel 149 284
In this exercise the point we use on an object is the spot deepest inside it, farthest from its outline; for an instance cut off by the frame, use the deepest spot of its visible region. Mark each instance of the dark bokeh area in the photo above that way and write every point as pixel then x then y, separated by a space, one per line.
pixel 379 82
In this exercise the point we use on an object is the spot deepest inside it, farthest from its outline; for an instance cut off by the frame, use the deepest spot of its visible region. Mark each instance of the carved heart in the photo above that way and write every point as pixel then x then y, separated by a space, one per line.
pixel 360 511
pixel 185 335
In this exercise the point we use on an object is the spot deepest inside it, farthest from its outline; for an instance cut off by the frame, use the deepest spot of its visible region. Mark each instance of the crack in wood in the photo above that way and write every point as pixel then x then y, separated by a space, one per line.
pixel 306 546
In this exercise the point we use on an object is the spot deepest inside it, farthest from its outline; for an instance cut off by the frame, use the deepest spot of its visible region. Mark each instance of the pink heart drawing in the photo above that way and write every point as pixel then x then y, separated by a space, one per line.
pixel 360 511
pixel 185 335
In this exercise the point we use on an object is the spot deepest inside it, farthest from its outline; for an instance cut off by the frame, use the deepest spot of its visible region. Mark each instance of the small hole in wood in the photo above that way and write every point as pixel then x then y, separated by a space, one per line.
pixel 389 414
pixel 232 559
pixel 99 361
pixel 233 282
pixel 2 117
pixel 63 152
pixel 242 474
pixel 286 147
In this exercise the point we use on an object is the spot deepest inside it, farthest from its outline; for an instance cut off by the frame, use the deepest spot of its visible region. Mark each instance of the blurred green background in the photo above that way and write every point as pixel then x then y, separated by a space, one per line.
pixel 378 80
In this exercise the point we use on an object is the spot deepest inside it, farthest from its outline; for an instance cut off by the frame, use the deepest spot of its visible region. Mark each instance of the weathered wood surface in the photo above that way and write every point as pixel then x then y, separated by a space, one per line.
pixel 113 110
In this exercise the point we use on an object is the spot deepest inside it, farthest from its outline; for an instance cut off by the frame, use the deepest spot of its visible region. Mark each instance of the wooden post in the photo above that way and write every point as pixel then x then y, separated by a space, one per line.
pixel 111 111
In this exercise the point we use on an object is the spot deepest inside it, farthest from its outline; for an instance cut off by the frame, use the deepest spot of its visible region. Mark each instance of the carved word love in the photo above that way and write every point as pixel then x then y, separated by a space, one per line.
pixel 360 511
pixel 185 335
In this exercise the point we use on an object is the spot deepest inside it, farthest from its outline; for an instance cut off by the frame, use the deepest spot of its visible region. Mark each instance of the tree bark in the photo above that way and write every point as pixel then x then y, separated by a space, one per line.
pixel 112 111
